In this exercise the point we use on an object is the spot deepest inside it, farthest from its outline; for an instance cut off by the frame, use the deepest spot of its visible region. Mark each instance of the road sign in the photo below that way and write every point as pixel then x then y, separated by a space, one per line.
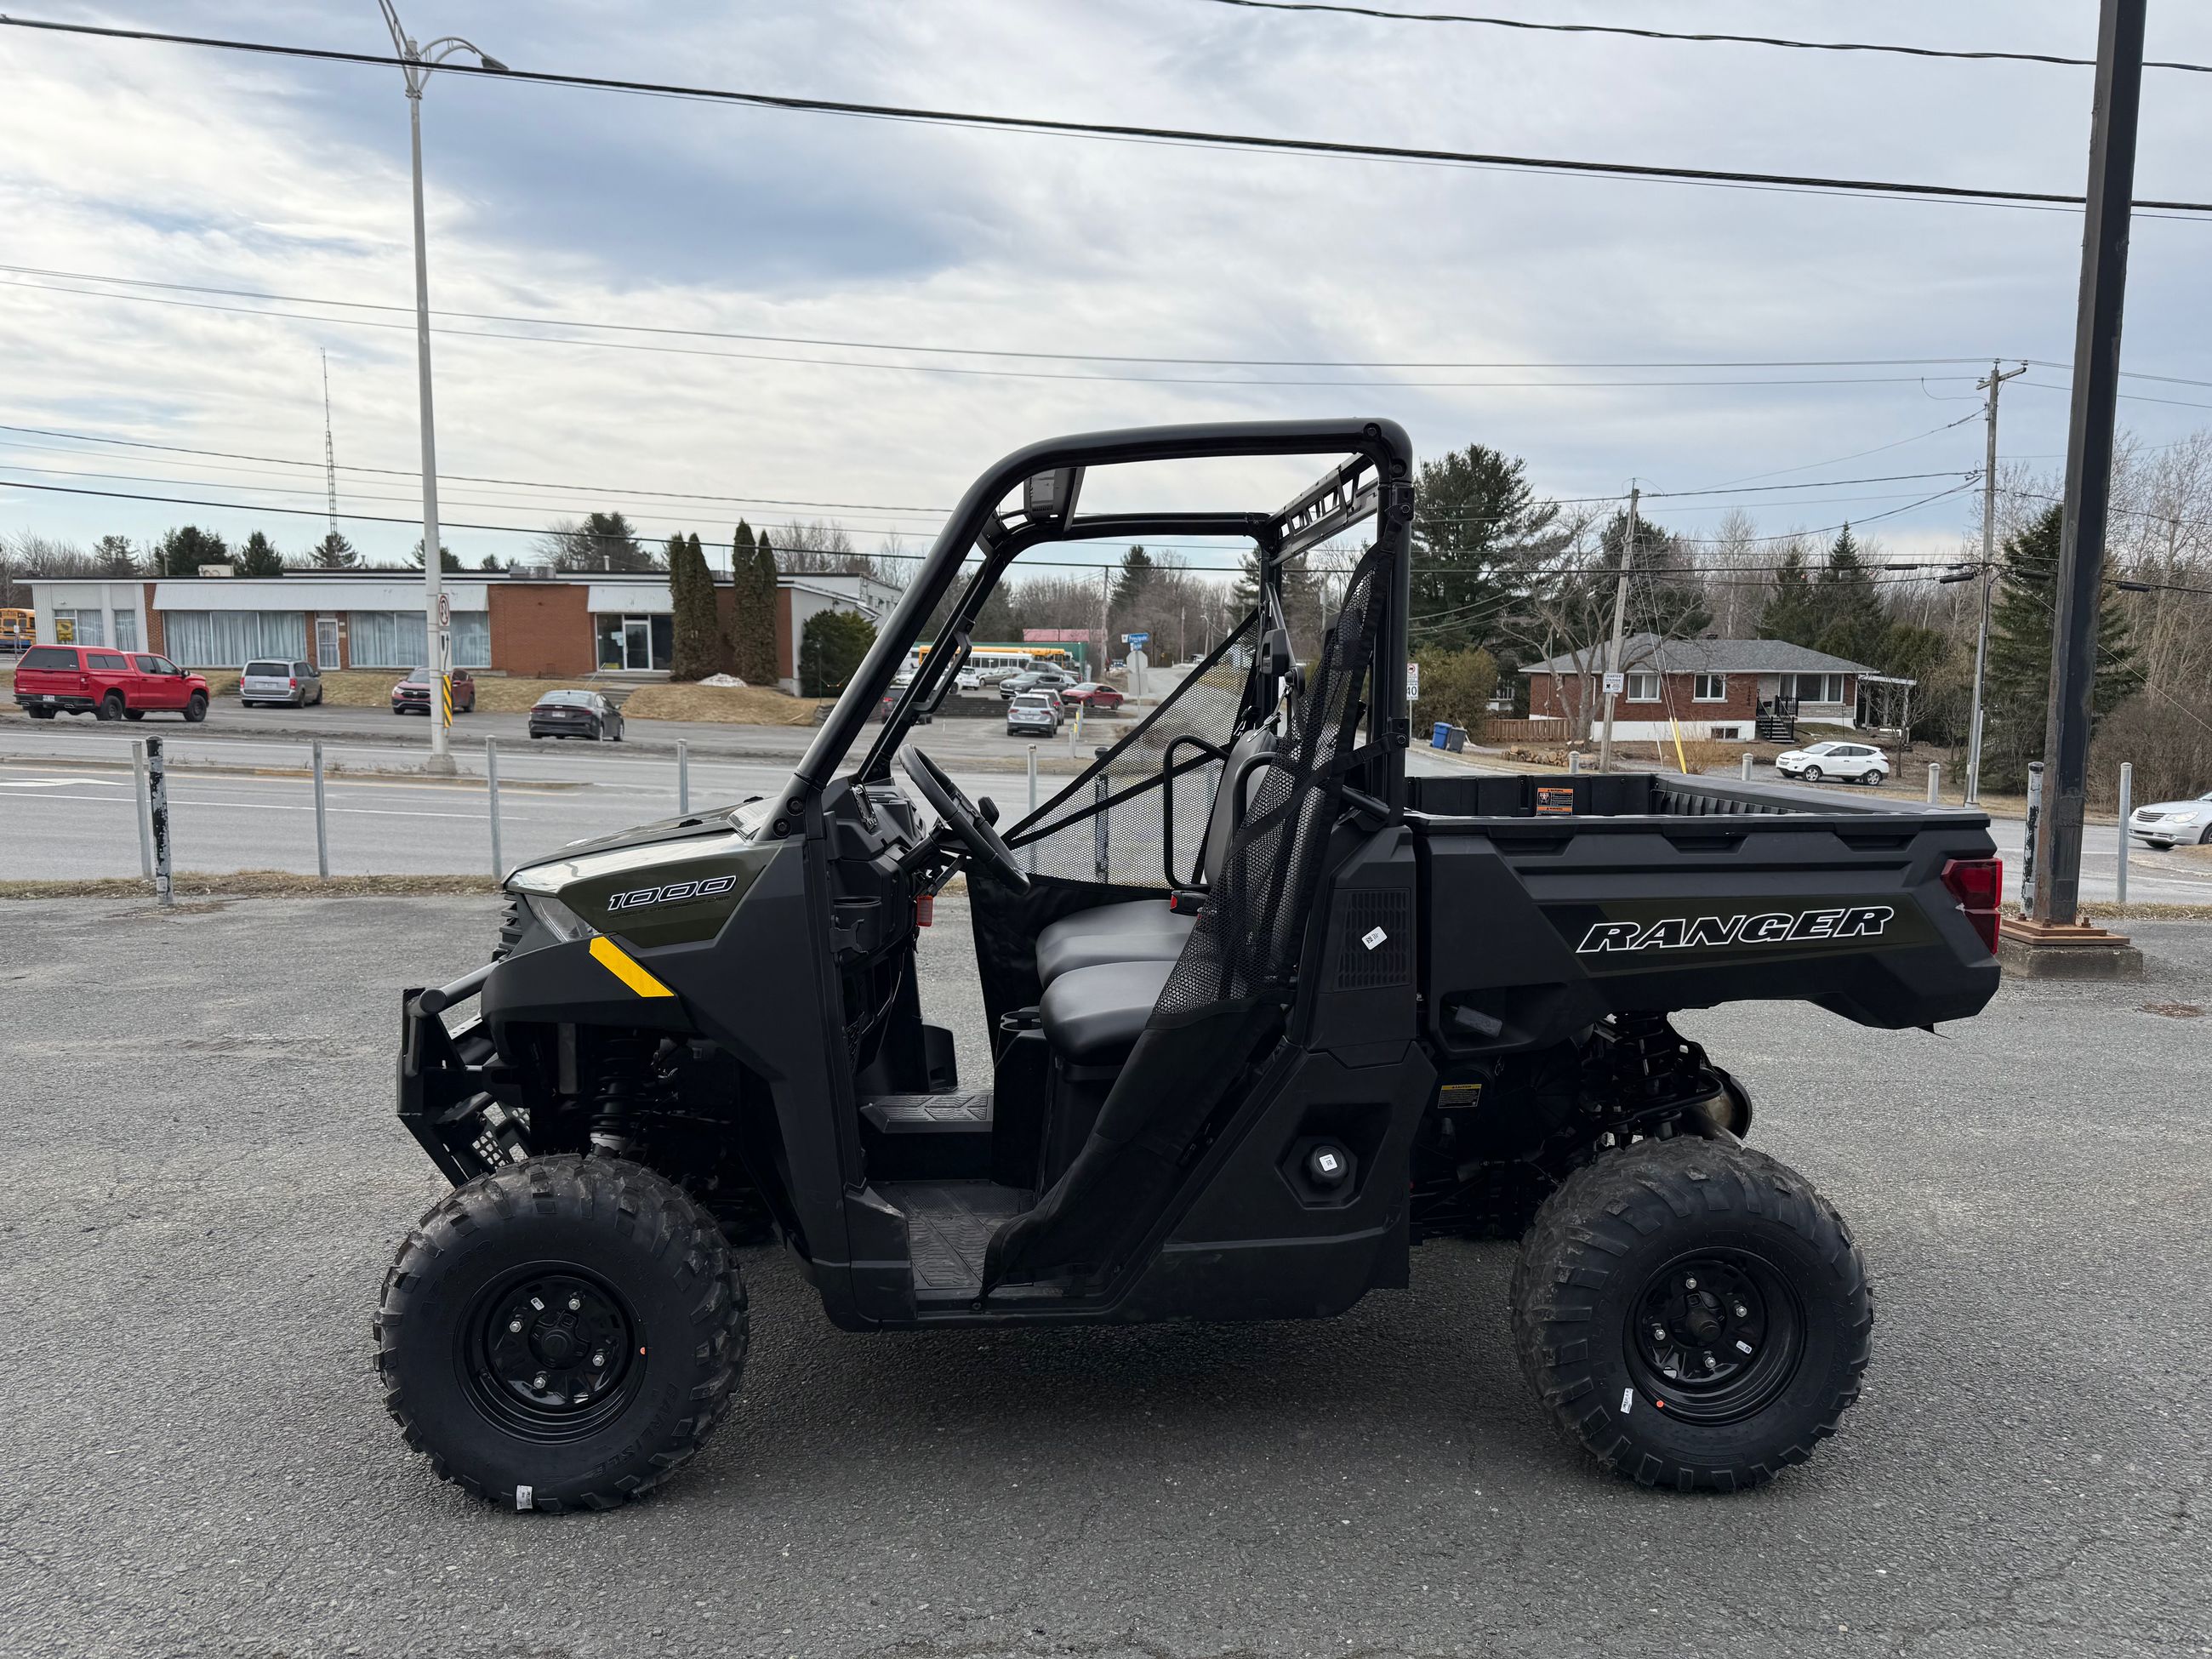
pixel 445 609
pixel 1615 685
pixel 1413 682
pixel 1136 638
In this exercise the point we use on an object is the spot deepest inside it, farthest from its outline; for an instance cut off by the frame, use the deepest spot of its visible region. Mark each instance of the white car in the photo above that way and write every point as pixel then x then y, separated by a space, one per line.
pixel 2164 823
pixel 1846 762
pixel 967 680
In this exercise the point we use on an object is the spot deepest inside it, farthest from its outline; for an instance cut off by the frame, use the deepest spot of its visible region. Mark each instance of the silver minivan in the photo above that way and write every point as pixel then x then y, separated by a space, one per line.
pixel 272 680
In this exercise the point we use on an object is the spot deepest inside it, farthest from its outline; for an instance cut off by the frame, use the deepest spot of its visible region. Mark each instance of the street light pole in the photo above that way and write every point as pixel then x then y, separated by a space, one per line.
pixel 437 618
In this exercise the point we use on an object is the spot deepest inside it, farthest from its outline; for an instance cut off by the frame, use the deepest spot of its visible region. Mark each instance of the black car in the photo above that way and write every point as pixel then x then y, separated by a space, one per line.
pixel 575 714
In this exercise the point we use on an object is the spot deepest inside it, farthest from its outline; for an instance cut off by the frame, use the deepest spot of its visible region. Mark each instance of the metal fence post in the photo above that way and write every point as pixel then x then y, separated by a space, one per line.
pixel 1028 850
pixel 1934 782
pixel 1745 770
pixel 683 777
pixel 322 822
pixel 2127 810
pixel 138 803
pixel 157 816
pixel 491 788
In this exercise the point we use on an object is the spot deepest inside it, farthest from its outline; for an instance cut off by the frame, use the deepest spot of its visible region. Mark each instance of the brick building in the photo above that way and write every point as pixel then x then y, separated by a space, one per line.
pixel 555 626
pixel 1710 688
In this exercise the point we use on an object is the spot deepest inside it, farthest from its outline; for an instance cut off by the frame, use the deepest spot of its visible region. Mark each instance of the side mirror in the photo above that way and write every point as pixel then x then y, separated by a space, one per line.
pixel 989 808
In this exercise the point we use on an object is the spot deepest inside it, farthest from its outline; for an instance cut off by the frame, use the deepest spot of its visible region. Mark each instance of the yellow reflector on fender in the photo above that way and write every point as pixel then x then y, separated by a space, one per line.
pixel 612 958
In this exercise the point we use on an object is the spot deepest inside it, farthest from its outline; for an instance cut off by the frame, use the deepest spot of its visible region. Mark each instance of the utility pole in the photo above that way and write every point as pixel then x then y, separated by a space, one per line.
pixel 1989 581
pixel 437 618
pixel 1105 620
pixel 2079 585
pixel 330 452
pixel 1620 611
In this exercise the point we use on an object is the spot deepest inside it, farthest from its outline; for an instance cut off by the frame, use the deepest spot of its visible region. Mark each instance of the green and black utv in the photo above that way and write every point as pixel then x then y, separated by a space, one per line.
pixel 1265 1012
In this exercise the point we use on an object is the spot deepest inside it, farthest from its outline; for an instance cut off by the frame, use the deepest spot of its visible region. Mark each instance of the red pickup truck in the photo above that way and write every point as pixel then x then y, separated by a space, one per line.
pixel 107 684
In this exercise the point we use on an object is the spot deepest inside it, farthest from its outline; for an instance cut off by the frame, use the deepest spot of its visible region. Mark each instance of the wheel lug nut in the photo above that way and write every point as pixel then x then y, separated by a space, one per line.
pixel 538 1381
pixel 1743 1312
pixel 1658 1332
pixel 599 1359
pixel 1689 1284
pixel 575 1303
pixel 1711 1364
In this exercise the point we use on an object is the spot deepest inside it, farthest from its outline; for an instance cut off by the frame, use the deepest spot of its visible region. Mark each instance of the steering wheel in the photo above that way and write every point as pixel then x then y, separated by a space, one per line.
pixel 945 798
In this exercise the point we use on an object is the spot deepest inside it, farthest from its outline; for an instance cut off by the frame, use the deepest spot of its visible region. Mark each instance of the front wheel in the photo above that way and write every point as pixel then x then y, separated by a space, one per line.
pixel 195 710
pixel 1693 1313
pixel 1810 774
pixel 562 1333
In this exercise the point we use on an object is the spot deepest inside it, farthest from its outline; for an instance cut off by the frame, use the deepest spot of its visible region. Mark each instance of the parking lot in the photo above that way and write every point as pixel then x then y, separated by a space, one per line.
pixel 208 1183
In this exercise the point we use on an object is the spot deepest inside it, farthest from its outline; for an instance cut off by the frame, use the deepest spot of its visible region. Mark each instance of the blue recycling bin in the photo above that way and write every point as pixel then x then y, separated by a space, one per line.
pixel 1441 735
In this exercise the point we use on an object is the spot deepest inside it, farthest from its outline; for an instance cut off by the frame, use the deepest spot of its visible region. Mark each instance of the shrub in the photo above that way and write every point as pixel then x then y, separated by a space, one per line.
pixel 1456 686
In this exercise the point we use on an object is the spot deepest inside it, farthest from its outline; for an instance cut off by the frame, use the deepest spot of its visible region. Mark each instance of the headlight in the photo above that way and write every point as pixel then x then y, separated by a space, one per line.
pixel 556 918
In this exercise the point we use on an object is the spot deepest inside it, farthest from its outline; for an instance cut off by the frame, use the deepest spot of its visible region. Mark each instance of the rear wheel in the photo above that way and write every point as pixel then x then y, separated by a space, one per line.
pixel 1875 780
pixel 196 709
pixel 1693 1313
pixel 562 1332
pixel 111 707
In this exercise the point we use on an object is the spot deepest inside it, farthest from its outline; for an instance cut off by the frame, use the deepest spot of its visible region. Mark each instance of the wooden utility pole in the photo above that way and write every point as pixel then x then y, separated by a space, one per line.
pixel 1620 612
pixel 1989 581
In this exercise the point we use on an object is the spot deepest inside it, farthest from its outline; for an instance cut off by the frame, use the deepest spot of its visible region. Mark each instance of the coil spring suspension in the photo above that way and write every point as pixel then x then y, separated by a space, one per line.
pixel 631 1078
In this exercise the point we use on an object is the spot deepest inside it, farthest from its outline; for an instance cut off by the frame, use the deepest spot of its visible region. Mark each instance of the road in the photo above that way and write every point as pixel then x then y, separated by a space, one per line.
pixel 206 1183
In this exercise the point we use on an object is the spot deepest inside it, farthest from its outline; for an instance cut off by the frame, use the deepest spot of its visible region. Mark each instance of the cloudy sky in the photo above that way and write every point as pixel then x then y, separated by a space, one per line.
pixel 586 219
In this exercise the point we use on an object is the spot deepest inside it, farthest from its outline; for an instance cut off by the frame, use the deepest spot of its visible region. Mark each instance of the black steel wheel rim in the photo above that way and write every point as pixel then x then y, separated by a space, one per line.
pixel 1715 1335
pixel 552 1352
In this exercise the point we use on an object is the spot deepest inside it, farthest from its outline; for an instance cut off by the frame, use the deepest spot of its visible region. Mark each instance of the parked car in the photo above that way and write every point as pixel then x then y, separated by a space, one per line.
pixel 1847 762
pixel 109 685
pixel 1033 711
pixel 576 714
pixel 1095 694
pixel 2166 822
pixel 267 680
pixel 1034 679
pixel 967 679
pixel 412 695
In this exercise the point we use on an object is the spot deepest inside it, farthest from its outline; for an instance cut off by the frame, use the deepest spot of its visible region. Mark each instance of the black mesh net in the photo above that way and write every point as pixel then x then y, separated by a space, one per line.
pixel 1106 827
pixel 1246 942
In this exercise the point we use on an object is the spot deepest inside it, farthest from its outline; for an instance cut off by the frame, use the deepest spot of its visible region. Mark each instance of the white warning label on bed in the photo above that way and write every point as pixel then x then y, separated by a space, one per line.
pixel 1373 937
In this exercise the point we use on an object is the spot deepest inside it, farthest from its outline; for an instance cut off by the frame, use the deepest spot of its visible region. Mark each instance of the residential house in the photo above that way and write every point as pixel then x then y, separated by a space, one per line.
pixel 1718 689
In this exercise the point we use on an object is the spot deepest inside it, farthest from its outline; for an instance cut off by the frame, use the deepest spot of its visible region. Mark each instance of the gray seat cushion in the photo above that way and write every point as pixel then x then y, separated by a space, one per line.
pixel 1142 930
pixel 1092 1016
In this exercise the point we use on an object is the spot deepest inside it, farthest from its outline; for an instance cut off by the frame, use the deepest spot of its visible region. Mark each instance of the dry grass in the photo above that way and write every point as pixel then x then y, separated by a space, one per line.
pixel 254 883
pixel 733 705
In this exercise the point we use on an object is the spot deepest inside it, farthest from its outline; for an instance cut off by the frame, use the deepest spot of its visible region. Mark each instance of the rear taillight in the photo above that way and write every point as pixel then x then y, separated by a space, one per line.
pixel 292 685
pixel 1979 885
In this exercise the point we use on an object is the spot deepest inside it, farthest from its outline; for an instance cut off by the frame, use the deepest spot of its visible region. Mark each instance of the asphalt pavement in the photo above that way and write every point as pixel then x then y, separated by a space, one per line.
pixel 206 1183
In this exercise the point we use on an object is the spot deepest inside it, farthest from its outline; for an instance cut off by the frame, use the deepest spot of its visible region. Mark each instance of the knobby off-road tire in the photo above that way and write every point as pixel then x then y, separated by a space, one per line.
pixel 1602 1270
pixel 642 1265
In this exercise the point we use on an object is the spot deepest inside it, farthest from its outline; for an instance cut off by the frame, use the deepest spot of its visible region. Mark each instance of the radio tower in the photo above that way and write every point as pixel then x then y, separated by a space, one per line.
pixel 330 455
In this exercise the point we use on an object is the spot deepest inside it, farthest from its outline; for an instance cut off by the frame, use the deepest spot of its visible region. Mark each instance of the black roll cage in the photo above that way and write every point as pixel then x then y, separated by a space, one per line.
pixel 1376 480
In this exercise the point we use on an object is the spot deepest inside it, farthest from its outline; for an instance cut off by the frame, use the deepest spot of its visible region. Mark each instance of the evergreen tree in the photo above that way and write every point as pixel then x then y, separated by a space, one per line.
pixel 1790 614
pixel 447 560
pixel 830 649
pixel 259 557
pixel 700 648
pixel 752 566
pixel 1851 622
pixel 1474 521
pixel 184 551
pixel 114 554
pixel 335 552
pixel 490 562
pixel 2017 698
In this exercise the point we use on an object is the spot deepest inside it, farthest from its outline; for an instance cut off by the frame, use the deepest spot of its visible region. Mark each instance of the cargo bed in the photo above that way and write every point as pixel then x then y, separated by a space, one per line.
pixel 1553 901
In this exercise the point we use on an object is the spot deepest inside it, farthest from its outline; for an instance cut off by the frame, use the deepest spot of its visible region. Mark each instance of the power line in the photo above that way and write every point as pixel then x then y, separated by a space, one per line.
pixel 1962 54
pixel 1725 178
pixel 968 371
pixel 977 351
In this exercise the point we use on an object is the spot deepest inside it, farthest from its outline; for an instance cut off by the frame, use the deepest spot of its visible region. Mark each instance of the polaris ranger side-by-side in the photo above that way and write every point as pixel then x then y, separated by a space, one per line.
pixel 1265 1013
